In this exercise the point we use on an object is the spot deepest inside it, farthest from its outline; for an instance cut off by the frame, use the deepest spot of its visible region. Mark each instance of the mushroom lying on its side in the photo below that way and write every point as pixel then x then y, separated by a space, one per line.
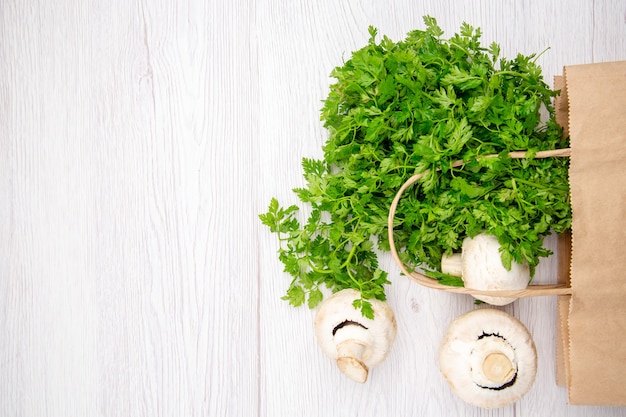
pixel 354 341
pixel 480 266
pixel 489 358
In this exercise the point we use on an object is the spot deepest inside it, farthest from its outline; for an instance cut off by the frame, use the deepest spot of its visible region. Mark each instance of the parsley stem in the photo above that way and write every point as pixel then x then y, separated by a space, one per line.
pixel 509 72
pixel 345 264
pixel 321 271
pixel 349 258
pixel 446 112
pixel 358 284
pixel 537 185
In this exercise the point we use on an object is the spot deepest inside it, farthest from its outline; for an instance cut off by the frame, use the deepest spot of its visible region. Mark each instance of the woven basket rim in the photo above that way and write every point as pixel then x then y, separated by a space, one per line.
pixel 531 290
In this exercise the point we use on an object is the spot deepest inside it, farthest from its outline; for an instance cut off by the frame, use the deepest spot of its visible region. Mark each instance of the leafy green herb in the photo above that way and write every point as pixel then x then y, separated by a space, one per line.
pixel 416 106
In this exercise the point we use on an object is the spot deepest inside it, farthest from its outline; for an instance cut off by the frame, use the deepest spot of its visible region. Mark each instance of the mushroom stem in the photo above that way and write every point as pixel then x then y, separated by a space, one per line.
pixel 356 343
pixel 480 266
pixel 488 357
pixel 349 360
pixel 497 367
pixel 452 264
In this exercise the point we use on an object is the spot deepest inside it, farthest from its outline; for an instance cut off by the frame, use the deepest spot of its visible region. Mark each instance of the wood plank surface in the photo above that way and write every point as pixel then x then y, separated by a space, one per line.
pixel 139 140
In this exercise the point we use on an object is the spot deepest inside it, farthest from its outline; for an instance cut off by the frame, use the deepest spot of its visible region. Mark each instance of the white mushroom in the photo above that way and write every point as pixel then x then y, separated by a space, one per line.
pixel 480 266
pixel 354 341
pixel 488 357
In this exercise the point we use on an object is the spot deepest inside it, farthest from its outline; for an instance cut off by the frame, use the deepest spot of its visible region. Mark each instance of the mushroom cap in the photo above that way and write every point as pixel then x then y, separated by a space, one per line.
pixel 354 341
pixel 488 358
pixel 482 269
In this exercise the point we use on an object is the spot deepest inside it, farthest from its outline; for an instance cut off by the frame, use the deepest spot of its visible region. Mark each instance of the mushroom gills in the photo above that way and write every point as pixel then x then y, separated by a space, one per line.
pixel 356 343
pixel 492 360
pixel 347 323
pixel 488 358
pixel 353 343
pixel 497 367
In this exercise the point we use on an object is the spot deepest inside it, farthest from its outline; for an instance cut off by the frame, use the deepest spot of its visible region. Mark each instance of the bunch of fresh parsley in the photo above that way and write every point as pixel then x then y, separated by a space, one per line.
pixel 415 106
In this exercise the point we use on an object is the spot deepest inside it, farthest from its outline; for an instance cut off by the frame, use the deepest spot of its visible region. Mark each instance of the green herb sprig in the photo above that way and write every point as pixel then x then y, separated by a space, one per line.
pixel 414 106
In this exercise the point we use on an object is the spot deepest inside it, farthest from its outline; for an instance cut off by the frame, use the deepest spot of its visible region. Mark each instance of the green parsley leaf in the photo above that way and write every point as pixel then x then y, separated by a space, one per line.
pixel 414 106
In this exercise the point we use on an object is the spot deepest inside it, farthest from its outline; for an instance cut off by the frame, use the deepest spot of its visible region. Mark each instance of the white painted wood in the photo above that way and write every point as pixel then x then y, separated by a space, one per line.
pixel 139 140
pixel 129 281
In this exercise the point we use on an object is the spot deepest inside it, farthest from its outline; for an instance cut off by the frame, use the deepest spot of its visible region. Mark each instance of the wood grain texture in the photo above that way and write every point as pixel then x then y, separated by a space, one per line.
pixel 139 140
pixel 126 293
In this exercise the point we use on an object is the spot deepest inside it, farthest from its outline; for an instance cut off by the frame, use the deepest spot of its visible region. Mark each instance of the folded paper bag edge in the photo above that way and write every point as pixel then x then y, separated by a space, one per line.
pixel 596 317
pixel 561 107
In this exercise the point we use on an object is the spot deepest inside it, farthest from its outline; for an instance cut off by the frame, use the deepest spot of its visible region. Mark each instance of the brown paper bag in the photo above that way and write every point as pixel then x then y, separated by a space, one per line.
pixel 591 359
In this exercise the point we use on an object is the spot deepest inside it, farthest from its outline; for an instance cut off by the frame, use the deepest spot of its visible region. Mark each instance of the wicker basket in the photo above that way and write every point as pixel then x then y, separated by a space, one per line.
pixel 531 290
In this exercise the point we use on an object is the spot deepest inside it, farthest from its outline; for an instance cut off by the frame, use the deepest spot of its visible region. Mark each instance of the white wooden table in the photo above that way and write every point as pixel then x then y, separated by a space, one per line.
pixel 139 140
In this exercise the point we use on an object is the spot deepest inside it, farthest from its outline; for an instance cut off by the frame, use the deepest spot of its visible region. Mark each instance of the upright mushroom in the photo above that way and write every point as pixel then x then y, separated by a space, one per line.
pixel 480 266
pixel 354 341
pixel 488 357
